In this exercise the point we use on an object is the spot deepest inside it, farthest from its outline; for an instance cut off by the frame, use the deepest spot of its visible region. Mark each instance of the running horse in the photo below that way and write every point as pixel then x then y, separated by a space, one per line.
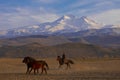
pixel 35 65
pixel 66 61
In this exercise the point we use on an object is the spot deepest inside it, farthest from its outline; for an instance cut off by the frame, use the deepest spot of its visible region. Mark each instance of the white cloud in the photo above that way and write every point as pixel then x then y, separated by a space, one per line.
pixel 25 16
pixel 104 3
pixel 46 1
pixel 92 6
pixel 38 11
pixel 108 17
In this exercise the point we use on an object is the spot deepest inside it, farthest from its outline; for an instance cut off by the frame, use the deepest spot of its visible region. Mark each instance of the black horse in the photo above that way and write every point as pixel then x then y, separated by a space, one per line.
pixel 66 61
pixel 33 64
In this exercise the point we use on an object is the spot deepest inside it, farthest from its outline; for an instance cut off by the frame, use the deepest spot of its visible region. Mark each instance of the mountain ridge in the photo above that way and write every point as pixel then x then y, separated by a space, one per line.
pixel 64 24
pixel 67 28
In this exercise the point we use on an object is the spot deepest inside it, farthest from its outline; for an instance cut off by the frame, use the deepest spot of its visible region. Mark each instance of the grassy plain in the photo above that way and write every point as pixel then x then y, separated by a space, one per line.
pixel 102 69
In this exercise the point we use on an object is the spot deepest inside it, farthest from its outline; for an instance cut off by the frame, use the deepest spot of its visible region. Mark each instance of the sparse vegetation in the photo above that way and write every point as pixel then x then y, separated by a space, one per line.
pixel 92 62
pixel 71 49
pixel 14 69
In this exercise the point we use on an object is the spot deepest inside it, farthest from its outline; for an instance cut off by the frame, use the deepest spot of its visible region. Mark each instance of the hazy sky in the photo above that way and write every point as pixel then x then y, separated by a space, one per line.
pixel 17 13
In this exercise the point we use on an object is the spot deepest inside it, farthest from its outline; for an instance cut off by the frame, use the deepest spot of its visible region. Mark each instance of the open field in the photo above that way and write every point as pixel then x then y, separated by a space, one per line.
pixel 14 69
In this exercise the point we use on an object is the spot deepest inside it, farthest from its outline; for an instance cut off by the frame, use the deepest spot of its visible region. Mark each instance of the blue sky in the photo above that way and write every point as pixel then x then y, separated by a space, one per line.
pixel 17 13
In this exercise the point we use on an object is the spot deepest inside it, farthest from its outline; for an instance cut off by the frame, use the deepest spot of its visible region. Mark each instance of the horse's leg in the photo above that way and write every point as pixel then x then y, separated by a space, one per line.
pixel 30 70
pixel 42 70
pixel 27 70
pixel 69 65
pixel 45 70
pixel 37 70
pixel 59 66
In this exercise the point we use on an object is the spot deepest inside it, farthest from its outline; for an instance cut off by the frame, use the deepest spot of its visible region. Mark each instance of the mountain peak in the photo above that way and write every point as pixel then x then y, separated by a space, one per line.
pixel 68 17
pixel 65 18
pixel 84 17
pixel 65 24
pixel 86 23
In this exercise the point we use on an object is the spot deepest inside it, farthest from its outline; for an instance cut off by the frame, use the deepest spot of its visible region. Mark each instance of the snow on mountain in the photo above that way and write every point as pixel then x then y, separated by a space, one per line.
pixel 71 24
pixel 65 24
pixel 85 23
pixel 111 26
pixel 3 32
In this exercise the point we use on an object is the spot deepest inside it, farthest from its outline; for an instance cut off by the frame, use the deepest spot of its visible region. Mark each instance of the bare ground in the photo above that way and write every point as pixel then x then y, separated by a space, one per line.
pixel 14 69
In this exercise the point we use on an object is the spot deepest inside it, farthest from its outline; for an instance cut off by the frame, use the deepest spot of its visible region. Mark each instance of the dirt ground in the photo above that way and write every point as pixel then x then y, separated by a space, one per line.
pixel 14 69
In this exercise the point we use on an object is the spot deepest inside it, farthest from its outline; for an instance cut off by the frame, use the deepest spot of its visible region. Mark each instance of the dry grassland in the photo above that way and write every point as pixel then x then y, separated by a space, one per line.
pixel 14 69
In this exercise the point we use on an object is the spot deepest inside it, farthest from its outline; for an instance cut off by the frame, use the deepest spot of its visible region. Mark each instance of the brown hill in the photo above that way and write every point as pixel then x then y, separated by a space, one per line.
pixel 70 49
pixel 43 40
pixel 104 40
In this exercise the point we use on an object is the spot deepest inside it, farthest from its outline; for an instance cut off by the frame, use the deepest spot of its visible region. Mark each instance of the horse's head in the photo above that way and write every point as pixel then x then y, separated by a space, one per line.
pixel 58 58
pixel 28 60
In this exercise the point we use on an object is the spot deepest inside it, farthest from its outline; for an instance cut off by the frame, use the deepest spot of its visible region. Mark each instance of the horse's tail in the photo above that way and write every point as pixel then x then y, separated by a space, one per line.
pixel 46 64
pixel 71 61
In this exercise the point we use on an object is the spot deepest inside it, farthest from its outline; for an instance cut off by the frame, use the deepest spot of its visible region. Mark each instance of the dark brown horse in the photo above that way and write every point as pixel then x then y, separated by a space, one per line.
pixel 33 64
pixel 66 61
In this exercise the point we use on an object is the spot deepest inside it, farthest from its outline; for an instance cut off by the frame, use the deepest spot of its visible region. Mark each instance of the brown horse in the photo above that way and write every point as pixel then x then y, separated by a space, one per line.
pixel 33 64
pixel 66 61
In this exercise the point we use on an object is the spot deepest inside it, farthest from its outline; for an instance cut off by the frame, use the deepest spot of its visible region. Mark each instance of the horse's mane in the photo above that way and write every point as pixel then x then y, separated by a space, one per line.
pixel 31 58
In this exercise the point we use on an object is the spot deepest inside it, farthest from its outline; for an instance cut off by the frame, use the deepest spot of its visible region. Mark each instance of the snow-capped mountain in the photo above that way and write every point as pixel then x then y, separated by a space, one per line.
pixel 111 26
pixel 65 24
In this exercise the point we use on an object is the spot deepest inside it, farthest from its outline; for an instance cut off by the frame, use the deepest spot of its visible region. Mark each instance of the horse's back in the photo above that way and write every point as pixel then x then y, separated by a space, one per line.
pixel 69 61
